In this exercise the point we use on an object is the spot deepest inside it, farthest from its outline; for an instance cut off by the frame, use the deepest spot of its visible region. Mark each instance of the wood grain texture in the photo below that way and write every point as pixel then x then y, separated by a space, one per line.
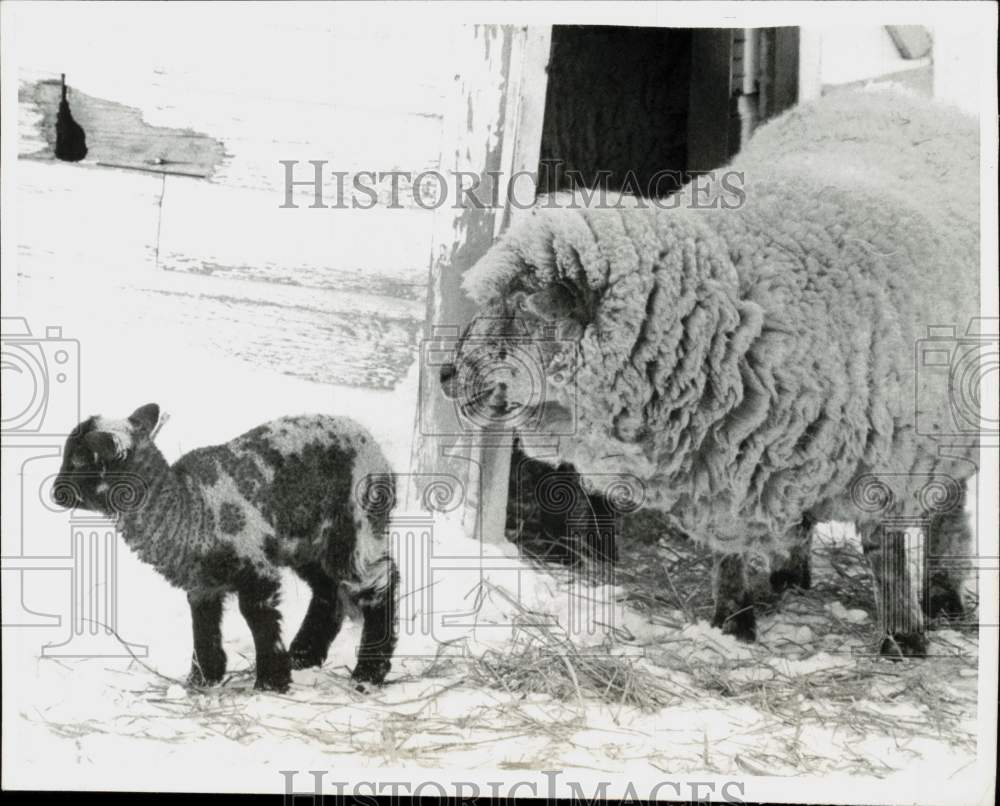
pixel 117 133
pixel 335 295
pixel 912 41
pixel 495 65
pixel 74 252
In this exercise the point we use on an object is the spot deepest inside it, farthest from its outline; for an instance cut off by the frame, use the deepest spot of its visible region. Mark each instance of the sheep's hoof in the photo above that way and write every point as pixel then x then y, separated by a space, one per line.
pixel 904 645
pixel 742 624
pixel 371 671
pixel 798 576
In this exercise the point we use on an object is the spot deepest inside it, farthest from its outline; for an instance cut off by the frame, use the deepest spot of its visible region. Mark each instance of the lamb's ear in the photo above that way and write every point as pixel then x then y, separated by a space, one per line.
pixel 145 418
pixel 559 305
pixel 102 444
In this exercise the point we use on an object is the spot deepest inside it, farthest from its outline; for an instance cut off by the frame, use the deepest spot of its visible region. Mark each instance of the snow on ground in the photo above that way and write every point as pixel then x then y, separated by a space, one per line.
pixel 808 699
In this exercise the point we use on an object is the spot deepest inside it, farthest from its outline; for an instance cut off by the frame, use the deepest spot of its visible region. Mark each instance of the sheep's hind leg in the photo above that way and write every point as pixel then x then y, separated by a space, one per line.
pixel 949 547
pixel 795 570
pixel 322 622
pixel 896 573
pixel 208 662
pixel 733 602
pixel 378 633
pixel 259 606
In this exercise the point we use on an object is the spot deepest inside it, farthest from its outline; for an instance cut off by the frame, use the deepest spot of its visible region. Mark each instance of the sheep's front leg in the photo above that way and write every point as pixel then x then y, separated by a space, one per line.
pixel 733 602
pixel 949 538
pixel 897 569
pixel 259 606
pixel 208 663
pixel 795 570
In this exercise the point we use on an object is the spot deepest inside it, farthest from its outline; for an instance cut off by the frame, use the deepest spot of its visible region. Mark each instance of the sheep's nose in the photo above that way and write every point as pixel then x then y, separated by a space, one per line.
pixel 448 373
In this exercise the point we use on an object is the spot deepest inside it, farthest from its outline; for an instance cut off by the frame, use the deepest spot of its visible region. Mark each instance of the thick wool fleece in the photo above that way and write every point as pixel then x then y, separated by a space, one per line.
pixel 750 364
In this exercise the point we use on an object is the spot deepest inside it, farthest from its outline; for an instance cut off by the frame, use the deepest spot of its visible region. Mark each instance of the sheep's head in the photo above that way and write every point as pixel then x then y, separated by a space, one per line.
pixel 97 473
pixel 515 364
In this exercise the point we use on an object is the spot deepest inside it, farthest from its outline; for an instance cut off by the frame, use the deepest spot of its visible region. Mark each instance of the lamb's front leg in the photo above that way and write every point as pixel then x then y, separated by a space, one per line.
pixel 208 663
pixel 259 605
pixel 733 601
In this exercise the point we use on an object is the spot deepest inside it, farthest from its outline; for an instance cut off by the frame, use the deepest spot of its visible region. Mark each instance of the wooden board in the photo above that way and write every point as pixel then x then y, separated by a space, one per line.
pixel 492 125
pixel 347 286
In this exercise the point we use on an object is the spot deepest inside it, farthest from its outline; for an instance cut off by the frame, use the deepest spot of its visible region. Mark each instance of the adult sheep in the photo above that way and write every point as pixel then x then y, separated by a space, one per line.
pixel 754 363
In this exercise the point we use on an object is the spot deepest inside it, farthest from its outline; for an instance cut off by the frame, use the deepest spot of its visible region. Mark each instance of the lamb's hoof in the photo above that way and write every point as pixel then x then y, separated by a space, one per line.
pixel 209 673
pixel 742 625
pixel 306 658
pixel 276 684
pixel 370 671
pixel 198 679
pixel 904 645
pixel 274 674
pixel 946 604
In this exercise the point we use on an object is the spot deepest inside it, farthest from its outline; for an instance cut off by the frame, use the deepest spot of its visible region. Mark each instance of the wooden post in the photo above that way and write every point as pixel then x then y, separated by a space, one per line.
pixel 491 131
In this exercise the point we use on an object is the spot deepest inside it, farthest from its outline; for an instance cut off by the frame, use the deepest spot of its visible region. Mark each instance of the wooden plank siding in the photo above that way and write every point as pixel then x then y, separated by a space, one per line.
pixel 492 128
pixel 333 295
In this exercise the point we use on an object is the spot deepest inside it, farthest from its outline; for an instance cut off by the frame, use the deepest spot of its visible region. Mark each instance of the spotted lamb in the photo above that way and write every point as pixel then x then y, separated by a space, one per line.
pixel 312 493
pixel 755 363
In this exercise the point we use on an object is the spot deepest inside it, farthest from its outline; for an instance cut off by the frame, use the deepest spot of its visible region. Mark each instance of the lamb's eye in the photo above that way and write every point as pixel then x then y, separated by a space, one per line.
pixel 77 461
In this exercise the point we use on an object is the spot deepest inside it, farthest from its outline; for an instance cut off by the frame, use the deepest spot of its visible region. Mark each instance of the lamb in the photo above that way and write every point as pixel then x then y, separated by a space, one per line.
pixel 754 364
pixel 312 493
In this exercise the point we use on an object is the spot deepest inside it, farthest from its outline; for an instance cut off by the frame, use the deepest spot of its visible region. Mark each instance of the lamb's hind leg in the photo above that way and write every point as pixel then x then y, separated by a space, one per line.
pixel 733 600
pixel 896 571
pixel 208 665
pixel 259 598
pixel 323 619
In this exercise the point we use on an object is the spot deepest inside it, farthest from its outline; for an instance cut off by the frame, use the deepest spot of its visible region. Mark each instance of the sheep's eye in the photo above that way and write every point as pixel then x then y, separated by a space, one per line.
pixel 77 461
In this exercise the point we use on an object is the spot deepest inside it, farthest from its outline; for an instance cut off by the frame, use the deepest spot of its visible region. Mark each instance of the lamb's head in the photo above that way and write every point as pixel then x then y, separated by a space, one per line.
pixel 515 364
pixel 99 472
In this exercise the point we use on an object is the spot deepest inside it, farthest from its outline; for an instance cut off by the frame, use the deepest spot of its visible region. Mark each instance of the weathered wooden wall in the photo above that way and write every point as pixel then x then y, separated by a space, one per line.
pixel 334 295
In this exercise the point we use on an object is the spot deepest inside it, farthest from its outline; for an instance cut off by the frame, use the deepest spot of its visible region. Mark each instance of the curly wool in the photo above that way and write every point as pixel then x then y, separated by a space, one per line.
pixel 752 363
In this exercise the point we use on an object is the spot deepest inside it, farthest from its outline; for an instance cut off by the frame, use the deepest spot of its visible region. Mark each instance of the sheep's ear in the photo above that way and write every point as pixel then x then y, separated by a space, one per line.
pixel 102 444
pixel 145 418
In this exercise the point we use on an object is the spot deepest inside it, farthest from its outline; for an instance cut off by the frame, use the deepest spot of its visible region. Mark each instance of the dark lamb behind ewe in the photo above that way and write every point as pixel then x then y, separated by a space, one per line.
pixel 312 493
